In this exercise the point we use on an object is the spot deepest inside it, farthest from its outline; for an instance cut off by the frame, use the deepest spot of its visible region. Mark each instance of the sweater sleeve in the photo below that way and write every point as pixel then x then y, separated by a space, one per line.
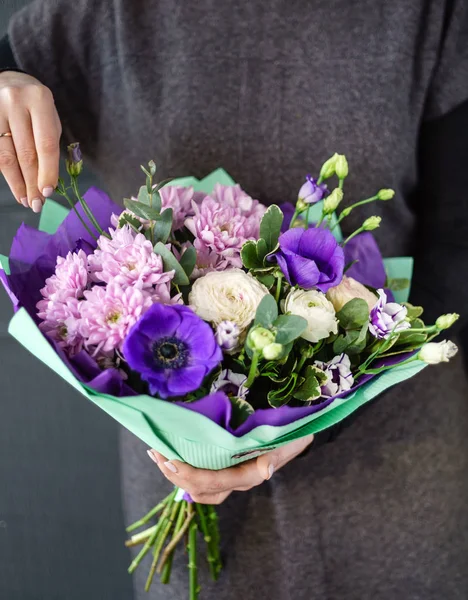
pixel 64 45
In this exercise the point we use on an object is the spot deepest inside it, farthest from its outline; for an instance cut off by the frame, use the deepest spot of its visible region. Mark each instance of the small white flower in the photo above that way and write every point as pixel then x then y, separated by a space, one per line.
pixel 232 384
pixel 339 376
pixel 316 310
pixel 230 295
pixel 434 353
pixel 227 336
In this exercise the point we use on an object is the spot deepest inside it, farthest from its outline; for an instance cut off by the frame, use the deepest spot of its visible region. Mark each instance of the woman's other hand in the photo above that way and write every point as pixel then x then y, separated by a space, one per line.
pixel 213 487
pixel 29 158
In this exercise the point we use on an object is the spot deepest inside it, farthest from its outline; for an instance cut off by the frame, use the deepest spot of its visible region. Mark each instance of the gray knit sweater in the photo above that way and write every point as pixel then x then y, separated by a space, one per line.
pixel 268 90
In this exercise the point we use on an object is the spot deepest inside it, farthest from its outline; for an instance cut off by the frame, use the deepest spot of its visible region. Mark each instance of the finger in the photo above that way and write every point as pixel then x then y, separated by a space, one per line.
pixel 205 481
pixel 23 139
pixel 46 130
pixel 211 498
pixel 270 462
pixel 10 168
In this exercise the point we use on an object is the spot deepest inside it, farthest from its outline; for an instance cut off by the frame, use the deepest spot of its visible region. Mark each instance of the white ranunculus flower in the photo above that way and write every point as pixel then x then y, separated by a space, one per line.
pixel 434 353
pixel 230 295
pixel 316 310
pixel 347 290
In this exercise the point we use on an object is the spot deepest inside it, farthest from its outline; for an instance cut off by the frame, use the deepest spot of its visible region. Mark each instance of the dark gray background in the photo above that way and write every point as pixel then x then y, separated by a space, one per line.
pixel 61 523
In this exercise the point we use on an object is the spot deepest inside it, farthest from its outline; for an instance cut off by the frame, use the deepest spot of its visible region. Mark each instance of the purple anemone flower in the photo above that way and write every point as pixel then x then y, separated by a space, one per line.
pixel 172 349
pixel 387 317
pixel 311 192
pixel 310 258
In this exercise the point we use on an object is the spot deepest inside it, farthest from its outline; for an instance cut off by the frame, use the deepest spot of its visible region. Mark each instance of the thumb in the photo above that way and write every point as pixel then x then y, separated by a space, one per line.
pixel 272 461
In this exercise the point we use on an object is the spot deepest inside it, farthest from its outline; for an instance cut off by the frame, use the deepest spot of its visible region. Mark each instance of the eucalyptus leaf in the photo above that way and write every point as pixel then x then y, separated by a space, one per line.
pixel 171 264
pixel 188 260
pixel 354 314
pixel 398 284
pixel 143 196
pixel 267 312
pixel 270 226
pixel 141 210
pixel 289 328
pixel 162 228
pixel 152 167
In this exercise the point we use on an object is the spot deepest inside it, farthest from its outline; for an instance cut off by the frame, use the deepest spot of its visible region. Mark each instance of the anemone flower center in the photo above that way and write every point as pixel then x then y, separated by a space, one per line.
pixel 170 353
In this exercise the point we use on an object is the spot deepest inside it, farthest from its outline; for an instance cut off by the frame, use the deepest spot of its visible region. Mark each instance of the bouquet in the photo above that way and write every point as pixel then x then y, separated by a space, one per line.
pixel 212 327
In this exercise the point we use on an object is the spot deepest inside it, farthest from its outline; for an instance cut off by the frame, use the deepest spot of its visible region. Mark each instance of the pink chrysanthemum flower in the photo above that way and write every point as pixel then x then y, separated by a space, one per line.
pixel 209 260
pixel 70 279
pixel 61 322
pixel 235 197
pixel 180 200
pixel 133 264
pixel 108 313
pixel 222 229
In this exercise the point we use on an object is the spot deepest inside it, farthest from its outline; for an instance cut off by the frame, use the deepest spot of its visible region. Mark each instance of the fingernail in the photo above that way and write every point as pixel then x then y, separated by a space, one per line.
pixel 152 456
pixel 271 470
pixel 47 191
pixel 36 205
pixel 170 466
pixel 24 202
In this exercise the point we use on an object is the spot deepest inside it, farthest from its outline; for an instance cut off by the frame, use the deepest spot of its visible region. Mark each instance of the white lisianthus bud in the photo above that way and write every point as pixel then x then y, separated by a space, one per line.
pixel 314 307
pixel 331 202
pixel 434 353
pixel 230 295
pixel 328 167
pixel 446 321
pixel 341 166
pixel 385 194
pixel 371 223
pixel 227 335
pixel 347 290
pixel 273 351
pixel 259 338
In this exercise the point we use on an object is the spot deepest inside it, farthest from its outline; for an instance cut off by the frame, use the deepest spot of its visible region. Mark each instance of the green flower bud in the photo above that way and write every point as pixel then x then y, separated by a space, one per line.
pixel 446 321
pixel 385 194
pixel 331 202
pixel 301 205
pixel 341 166
pixel 328 168
pixel 371 223
pixel 74 162
pixel 259 338
pixel 273 351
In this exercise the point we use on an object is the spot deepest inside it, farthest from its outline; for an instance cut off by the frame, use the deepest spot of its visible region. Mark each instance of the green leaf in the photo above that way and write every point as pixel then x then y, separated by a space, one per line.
pixel 188 260
pixel 241 410
pixel 413 311
pixel 270 226
pixel 249 255
pixel 310 388
pixel 161 184
pixel 349 265
pixel 267 312
pixel 262 250
pixel 171 264
pixel 141 210
pixel 398 284
pixel 162 228
pixel 354 314
pixel 129 219
pixel 281 396
pixel 351 343
pixel 152 167
pixel 289 328
pixel 143 196
pixel 267 280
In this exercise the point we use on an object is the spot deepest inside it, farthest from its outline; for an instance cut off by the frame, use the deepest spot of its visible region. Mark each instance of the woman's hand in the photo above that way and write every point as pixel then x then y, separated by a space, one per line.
pixel 213 487
pixel 29 159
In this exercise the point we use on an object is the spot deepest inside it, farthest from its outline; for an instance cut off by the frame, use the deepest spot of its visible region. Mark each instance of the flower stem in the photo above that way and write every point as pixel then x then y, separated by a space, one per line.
pixel 181 527
pixel 194 589
pixel 164 532
pixel 253 369
pixel 385 368
pixel 148 516
pixel 211 552
pixel 140 538
pixel 345 213
pixel 279 281
pixel 350 237
pixel 63 193
pixel 86 208
pixel 214 534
